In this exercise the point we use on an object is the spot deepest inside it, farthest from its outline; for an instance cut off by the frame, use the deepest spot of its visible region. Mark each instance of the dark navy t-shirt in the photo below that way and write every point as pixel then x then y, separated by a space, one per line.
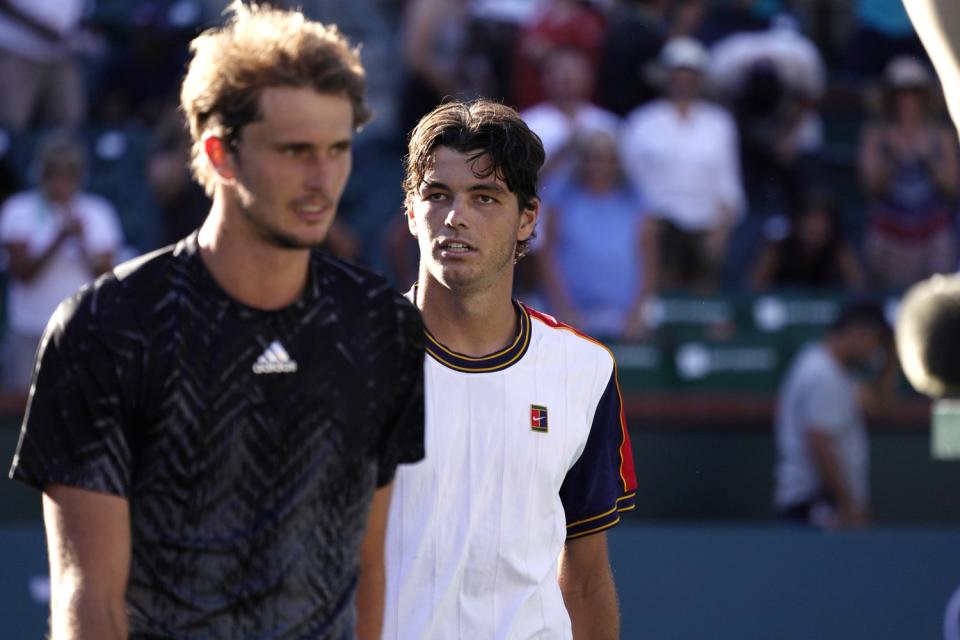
pixel 247 442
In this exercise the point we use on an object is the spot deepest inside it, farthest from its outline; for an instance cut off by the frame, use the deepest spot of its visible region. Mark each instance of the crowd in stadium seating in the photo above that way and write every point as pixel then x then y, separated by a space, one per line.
pixel 697 145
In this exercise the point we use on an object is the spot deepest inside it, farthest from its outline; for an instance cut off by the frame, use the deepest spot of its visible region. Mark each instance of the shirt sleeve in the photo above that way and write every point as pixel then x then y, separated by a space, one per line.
pixel 15 220
pixel 402 438
pixel 601 484
pixel 827 406
pixel 73 429
pixel 729 182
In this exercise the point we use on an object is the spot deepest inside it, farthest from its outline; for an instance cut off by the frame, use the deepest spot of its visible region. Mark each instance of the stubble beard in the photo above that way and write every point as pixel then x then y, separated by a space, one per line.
pixel 475 279
pixel 269 233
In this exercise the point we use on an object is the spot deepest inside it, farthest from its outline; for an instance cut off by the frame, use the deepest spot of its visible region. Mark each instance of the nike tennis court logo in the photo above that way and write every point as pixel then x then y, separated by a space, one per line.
pixel 275 360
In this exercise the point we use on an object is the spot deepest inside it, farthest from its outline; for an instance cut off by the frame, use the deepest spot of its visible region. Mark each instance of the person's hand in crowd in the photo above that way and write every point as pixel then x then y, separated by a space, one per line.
pixel 72 226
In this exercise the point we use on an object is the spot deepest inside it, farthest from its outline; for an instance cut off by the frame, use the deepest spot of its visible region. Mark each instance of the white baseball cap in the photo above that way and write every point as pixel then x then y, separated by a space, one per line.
pixel 906 72
pixel 684 53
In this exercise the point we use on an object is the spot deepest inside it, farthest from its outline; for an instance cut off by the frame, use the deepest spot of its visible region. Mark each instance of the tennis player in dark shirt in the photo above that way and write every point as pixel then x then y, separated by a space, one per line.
pixel 215 426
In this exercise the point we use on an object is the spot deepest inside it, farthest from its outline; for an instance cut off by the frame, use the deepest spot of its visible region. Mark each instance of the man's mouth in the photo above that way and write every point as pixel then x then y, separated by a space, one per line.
pixel 453 247
pixel 312 207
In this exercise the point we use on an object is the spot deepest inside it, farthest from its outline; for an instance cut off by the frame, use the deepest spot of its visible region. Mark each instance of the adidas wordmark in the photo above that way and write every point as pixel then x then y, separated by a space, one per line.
pixel 275 360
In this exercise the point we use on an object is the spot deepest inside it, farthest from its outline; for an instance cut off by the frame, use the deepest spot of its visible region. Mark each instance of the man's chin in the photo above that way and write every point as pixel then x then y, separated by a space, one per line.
pixel 294 242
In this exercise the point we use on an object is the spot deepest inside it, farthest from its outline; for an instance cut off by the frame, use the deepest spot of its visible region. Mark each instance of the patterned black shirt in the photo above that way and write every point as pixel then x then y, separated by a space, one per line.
pixel 248 443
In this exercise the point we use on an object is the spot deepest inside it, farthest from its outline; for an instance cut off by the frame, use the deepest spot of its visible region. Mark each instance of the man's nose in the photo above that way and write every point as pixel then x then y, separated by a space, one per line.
pixel 456 215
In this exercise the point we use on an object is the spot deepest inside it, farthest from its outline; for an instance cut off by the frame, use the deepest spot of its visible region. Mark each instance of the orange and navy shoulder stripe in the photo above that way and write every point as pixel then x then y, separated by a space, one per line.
pixel 484 364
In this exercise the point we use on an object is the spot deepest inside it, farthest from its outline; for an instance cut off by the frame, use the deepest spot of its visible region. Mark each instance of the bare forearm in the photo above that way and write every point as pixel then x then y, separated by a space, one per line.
pixel 370 603
pixel 25 267
pixel 373 573
pixel 30 22
pixel 829 469
pixel 85 616
pixel 594 614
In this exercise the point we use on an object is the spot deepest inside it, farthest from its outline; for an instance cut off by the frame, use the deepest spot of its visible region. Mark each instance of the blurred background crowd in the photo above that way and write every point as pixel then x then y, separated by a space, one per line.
pixel 697 146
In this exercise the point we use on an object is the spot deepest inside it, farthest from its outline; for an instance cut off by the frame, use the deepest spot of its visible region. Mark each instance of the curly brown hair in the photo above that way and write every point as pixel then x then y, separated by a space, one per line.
pixel 480 128
pixel 259 47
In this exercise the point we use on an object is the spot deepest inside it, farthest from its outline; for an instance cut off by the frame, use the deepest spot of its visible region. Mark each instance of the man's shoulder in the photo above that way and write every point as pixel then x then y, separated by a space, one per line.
pixel 648 113
pixel 19 209
pixel 21 200
pixel 814 367
pixel 715 114
pixel 129 285
pixel 359 287
pixel 555 334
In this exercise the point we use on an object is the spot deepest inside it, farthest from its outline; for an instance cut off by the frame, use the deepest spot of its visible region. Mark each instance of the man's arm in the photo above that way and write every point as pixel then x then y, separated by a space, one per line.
pixel 589 593
pixel 935 22
pixel 849 514
pixel 373 579
pixel 877 394
pixel 88 538
pixel 26 267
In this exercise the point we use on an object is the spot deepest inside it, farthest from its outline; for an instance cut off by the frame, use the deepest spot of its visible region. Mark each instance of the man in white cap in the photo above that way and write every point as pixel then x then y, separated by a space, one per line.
pixel 683 154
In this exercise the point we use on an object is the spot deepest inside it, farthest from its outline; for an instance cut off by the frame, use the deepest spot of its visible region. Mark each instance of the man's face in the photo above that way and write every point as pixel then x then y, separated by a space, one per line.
pixel 869 344
pixel 684 84
pixel 291 166
pixel 60 183
pixel 467 227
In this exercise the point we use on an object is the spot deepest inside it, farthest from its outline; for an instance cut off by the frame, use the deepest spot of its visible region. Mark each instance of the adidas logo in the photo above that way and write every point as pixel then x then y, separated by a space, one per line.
pixel 275 360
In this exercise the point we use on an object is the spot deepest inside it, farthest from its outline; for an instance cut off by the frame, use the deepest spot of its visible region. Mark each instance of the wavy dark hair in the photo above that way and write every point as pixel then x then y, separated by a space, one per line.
pixel 480 128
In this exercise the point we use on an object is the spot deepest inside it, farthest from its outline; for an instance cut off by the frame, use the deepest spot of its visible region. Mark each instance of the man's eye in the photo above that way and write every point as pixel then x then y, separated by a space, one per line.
pixel 486 199
pixel 435 197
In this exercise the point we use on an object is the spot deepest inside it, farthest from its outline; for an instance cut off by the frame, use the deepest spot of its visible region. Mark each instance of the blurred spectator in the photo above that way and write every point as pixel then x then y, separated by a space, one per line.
pixel 723 18
pixel 598 260
pixel 822 468
pixel 682 153
pixel 375 24
pixel 435 47
pixel 57 238
pixel 182 202
pixel 908 168
pixel 568 24
pixel 773 80
pixel 636 31
pixel 567 111
pixel 883 33
pixel 495 27
pixel 40 76
pixel 149 47
pixel 829 23
pixel 812 255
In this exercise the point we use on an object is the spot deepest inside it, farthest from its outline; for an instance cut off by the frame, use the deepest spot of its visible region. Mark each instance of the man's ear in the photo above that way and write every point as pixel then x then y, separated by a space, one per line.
pixel 411 221
pixel 219 156
pixel 528 220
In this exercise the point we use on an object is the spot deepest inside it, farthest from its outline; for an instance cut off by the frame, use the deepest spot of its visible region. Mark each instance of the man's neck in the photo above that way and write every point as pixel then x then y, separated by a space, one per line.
pixel 836 349
pixel 247 266
pixel 475 324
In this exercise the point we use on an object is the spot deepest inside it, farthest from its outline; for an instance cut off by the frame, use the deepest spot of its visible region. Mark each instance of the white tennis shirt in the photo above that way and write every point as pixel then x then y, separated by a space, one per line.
pixel 526 449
